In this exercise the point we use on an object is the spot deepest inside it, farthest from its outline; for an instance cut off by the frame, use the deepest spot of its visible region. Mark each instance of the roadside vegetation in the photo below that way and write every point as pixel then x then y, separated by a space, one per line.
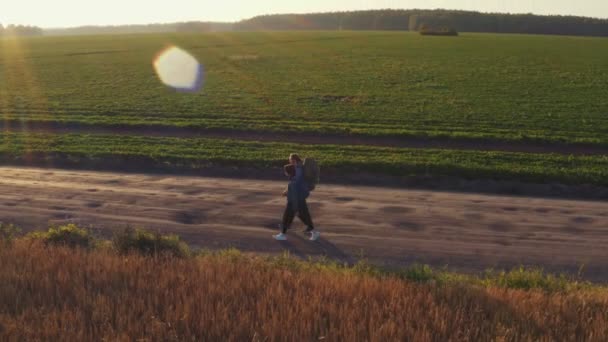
pixel 51 288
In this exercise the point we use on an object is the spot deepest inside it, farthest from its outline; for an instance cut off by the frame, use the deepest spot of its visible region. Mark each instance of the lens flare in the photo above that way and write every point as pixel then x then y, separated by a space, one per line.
pixel 179 70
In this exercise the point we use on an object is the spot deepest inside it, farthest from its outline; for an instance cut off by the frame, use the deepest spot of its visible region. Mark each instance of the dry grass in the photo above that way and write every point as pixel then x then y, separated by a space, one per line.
pixel 58 293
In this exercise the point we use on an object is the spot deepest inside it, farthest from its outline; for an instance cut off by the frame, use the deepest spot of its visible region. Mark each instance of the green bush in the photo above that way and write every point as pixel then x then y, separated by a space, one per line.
pixel 148 243
pixel 419 273
pixel 8 233
pixel 69 235
pixel 365 267
pixel 524 278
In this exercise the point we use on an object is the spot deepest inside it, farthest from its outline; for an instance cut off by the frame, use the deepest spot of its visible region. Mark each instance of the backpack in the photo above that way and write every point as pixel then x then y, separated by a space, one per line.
pixel 311 173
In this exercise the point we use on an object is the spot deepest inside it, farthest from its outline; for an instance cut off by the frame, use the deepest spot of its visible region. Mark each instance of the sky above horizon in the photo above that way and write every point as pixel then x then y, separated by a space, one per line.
pixel 70 13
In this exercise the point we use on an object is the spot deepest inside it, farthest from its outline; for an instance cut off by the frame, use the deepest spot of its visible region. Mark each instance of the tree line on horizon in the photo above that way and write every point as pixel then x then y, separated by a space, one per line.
pixel 413 20
pixel 20 30
pixel 397 20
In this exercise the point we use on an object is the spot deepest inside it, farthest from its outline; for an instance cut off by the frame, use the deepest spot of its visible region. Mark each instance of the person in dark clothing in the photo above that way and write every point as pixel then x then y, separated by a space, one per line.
pixel 297 192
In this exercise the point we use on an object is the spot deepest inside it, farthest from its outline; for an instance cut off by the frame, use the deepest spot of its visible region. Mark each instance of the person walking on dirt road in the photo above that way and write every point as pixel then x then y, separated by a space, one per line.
pixel 297 192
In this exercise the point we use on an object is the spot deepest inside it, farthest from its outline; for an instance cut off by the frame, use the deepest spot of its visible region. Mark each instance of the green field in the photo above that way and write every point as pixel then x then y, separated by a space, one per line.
pixel 508 88
pixel 504 87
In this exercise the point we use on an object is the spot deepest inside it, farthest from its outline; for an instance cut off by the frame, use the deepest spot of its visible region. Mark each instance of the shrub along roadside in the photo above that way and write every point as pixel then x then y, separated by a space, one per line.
pixel 8 233
pixel 148 243
pixel 69 235
pixel 127 241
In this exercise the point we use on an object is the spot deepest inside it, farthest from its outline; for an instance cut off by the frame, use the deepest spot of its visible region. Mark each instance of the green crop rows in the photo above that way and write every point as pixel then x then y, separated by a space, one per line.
pixel 505 87
pixel 200 152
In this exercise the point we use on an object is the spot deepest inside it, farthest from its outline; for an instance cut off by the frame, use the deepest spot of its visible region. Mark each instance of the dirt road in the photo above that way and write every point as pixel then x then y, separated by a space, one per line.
pixel 467 232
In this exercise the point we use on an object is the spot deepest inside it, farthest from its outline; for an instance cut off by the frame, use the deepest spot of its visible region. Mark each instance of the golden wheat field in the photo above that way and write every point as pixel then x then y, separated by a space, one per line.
pixel 63 294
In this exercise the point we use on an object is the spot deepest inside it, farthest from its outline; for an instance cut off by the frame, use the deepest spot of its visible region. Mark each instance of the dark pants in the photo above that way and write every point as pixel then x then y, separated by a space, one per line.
pixel 303 214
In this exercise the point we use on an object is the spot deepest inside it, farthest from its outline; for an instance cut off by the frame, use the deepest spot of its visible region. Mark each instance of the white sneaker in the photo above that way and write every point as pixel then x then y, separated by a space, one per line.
pixel 280 237
pixel 314 235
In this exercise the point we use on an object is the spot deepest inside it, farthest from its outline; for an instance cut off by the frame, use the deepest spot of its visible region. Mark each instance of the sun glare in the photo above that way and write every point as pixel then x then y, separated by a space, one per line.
pixel 179 70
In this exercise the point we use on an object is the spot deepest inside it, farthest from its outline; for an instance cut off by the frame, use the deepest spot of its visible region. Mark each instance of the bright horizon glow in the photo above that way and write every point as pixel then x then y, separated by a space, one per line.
pixel 71 13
